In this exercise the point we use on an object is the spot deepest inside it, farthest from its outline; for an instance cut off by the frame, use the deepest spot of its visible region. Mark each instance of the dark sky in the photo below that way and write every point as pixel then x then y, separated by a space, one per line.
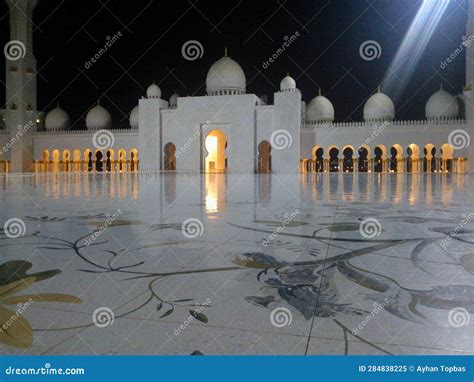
pixel 68 33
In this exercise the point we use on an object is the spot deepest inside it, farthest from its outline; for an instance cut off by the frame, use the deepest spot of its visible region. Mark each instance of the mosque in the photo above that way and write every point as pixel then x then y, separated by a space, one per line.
pixel 228 129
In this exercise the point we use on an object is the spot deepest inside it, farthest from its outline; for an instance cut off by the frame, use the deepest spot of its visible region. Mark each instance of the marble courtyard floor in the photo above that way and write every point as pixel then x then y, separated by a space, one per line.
pixel 236 264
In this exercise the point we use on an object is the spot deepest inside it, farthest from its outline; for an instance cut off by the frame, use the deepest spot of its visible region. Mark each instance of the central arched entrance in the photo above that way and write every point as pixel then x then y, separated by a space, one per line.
pixel 215 146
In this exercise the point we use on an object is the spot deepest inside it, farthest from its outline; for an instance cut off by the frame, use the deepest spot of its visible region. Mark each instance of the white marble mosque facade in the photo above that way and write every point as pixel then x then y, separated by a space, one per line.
pixel 243 121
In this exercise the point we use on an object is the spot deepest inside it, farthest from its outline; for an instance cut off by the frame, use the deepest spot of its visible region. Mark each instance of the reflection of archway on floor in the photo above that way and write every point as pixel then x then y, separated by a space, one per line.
pixel 169 156
pixel 264 157
pixel 215 146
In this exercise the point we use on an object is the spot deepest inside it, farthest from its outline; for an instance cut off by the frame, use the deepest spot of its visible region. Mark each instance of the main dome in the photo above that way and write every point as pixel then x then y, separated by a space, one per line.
pixel 442 105
pixel 225 77
pixel 320 109
pixel 98 118
pixel 379 107
pixel 57 119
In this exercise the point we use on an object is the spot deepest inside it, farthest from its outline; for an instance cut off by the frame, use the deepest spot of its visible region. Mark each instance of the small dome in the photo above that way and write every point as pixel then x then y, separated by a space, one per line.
pixel 442 105
pixel 153 91
pixel 379 107
pixel 57 119
pixel 174 101
pixel 225 77
pixel 320 109
pixel 287 84
pixel 98 118
pixel 134 118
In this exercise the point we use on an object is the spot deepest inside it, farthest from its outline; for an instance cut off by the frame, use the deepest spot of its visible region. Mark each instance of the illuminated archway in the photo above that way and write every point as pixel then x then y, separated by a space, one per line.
pixel 56 159
pixel 66 160
pixel 447 152
pixel 413 154
pixel 45 160
pixel 215 145
pixel 348 159
pixel 133 159
pixel 396 156
pixel 264 157
pixel 169 156
pixel 333 159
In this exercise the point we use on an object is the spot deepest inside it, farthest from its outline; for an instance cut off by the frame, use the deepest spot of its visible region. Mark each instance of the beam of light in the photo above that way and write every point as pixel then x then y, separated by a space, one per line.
pixel 412 47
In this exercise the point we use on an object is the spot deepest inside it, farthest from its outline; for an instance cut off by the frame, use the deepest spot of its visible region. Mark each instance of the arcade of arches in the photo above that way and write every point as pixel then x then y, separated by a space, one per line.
pixel 394 159
pixel 88 161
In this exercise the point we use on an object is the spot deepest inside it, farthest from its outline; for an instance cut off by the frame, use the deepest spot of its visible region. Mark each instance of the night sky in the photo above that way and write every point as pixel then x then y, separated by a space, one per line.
pixel 68 33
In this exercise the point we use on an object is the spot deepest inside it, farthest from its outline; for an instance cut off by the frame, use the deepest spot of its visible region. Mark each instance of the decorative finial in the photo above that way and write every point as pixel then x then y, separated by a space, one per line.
pixel 225 52
pixel 287 74
pixel 319 91
pixel 378 89
pixel 98 101
pixel 57 104
pixel 441 86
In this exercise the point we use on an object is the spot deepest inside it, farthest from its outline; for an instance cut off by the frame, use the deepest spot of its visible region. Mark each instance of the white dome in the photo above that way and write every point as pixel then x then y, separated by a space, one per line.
pixel 153 91
pixel 225 77
pixel 57 119
pixel 441 105
pixel 287 84
pixel 134 118
pixel 379 107
pixel 320 109
pixel 98 118
pixel 174 101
